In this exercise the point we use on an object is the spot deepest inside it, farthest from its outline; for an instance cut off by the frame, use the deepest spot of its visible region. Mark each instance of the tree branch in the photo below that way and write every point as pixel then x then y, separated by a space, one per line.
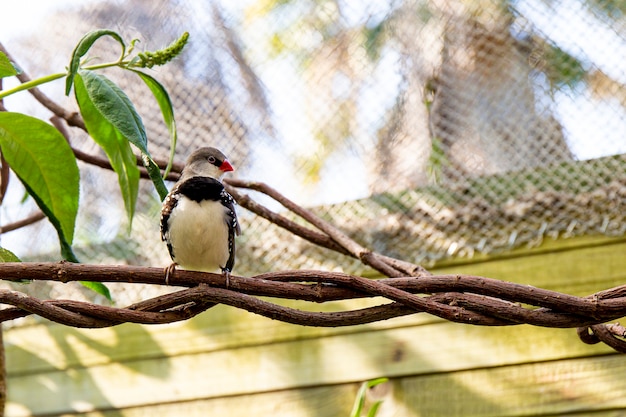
pixel 32 218
pixel 464 299
pixel 347 245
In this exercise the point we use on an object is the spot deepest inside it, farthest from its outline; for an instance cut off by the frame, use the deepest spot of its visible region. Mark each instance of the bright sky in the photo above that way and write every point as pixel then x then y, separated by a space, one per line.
pixel 22 17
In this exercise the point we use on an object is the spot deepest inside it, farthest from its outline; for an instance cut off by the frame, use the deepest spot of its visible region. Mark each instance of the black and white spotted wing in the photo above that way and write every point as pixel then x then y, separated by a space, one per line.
pixel 200 189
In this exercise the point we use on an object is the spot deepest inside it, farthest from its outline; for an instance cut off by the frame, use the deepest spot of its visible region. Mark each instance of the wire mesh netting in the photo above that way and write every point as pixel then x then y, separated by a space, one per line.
pixel 424 129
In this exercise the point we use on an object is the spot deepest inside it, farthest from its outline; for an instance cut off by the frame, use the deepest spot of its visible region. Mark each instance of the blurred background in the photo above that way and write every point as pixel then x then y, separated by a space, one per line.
pixel 427 130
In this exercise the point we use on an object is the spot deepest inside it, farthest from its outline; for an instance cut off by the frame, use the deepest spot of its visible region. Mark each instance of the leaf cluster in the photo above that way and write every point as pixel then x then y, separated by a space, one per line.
pixel 43 160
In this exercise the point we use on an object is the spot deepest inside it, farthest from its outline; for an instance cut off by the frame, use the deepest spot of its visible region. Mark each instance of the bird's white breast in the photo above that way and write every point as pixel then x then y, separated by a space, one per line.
pixel 199 235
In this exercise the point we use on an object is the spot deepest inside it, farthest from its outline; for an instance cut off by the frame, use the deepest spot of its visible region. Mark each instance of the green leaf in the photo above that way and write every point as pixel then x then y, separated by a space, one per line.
pixel 165 104
pixel 562 68
pixel 82 48
pixel 6 67
pixel 359 402
pixel 167 110
pixel 66 246
pixel 98 287
pixel 373 382
pixel 109 119
pixel 43 160
pixel 374 40
pixel 8 256
pixel 374 409
pixel 155 175
pixel 115 106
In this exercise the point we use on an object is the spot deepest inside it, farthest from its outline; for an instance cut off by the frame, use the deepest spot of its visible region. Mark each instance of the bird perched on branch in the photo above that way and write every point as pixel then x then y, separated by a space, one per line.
pixel 198 219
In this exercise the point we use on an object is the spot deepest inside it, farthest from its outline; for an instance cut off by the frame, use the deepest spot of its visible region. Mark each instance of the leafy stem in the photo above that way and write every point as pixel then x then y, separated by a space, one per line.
pixel 31 84
pixel 35 150
pixel 52 77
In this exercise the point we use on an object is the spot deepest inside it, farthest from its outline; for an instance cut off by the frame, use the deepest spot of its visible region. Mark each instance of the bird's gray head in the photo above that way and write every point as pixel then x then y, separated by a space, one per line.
pixel 207 162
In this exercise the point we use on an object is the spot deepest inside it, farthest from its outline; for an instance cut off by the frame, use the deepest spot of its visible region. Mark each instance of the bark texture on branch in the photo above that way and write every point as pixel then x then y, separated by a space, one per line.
pixel 464 299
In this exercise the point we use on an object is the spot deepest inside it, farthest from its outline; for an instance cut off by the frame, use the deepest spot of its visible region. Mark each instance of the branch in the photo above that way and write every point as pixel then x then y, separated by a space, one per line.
pixel 342 240
pixel 464 299
pixel 33 218
pixel 310 235
pixel 330 236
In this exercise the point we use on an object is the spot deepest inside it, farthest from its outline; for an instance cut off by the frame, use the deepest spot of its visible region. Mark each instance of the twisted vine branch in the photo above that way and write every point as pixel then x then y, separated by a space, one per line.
pixel 458 298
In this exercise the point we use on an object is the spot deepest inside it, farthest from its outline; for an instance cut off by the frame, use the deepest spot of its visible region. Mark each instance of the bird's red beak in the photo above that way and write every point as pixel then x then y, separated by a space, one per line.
pixel 226 166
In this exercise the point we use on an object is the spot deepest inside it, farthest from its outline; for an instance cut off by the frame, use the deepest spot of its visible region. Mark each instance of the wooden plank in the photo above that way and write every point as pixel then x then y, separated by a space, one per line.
pixel 397 352
pixel 402 398
pixel 318 401
pixel 547 246
pixel 593 386
pixel 580 270
pixel 554 388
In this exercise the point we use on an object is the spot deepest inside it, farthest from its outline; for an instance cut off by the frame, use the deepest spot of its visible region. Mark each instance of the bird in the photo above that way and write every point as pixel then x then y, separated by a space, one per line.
pixel 198 218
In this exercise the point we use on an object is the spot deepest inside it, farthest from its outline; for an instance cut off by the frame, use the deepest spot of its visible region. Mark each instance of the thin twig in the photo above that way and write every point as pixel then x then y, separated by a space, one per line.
pixel 27 221
pixel 310 235
pixel 356 250
pixel 4 168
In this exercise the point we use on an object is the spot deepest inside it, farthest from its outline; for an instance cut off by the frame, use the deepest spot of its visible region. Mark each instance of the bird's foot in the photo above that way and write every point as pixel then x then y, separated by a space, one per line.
pixel 226 275
pixel 169 272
